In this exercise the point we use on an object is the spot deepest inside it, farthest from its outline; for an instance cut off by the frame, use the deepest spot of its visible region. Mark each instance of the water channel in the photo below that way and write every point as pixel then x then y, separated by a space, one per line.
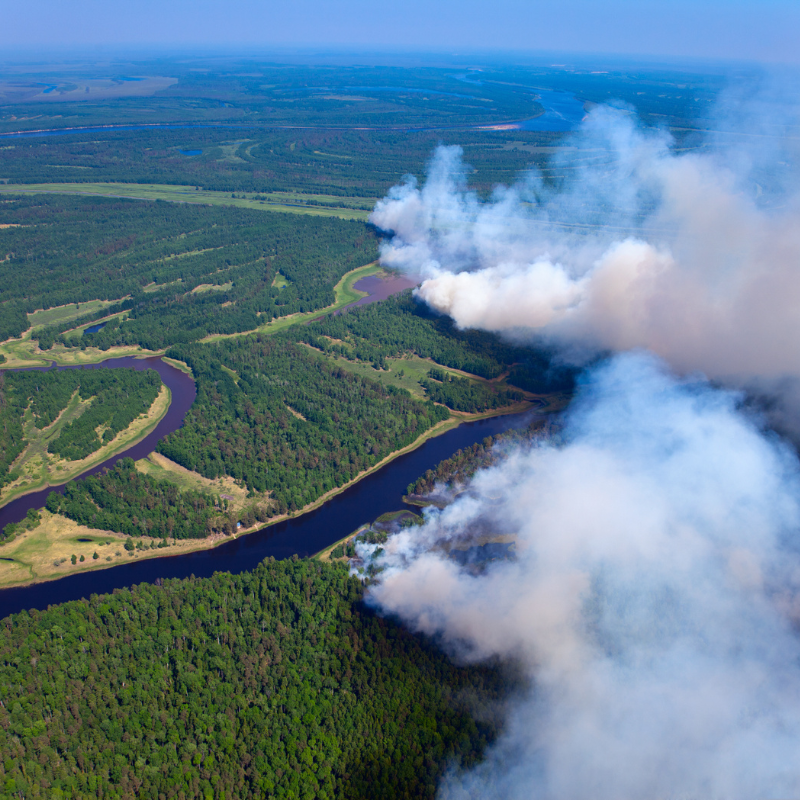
pixel 183 392
pixel 305 535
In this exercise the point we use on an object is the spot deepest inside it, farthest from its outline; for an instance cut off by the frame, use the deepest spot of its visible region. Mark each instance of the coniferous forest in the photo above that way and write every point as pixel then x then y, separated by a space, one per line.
pixel 274 683
pixel 115 398
pixel 271 414
pixel 122 499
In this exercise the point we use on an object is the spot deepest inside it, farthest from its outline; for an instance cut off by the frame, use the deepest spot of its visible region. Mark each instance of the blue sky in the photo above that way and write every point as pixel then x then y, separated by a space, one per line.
pixel 728 29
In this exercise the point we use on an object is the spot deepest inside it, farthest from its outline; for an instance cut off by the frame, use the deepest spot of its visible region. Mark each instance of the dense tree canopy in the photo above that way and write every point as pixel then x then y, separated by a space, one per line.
pixel 273 683
pixel 180 271
pixel 273 415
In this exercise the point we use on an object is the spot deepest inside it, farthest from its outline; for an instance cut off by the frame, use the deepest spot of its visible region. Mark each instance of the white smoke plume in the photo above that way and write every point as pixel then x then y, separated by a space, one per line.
pixel 642 247
pixel 652 601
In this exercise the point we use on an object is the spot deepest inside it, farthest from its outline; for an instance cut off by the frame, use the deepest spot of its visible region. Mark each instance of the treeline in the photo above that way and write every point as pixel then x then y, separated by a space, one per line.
pixel 124 500
pixel 277 417
pixel 118 397
pixel 273 683
pixel 399 325
pixel 463 464
pixel 151 256
pixel 323 159
pixel 461 394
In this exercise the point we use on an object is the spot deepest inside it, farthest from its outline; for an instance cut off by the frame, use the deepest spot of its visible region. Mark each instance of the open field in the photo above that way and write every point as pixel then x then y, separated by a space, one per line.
pixel 291 203
pixel 39 469
pixel 67 313
pixel 25 352
pixel 45 552
pixel 343 292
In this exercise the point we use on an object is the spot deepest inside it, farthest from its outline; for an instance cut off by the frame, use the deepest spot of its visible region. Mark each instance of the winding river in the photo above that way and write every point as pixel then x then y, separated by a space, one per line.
pixel 183 393
pixel 304 535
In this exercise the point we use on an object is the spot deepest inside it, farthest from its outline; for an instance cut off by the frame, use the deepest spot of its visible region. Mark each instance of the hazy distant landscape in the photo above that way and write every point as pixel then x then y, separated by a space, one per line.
pixel 245 232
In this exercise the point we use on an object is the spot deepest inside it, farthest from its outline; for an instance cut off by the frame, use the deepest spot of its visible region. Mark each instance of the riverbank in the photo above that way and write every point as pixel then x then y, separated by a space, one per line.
pixel 45 553
pixel 343 292
pixel 24 353
pixel 42 470
pixel 36 561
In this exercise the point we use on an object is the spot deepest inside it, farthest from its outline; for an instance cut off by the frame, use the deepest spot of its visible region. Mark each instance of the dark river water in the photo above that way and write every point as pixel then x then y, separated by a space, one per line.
pixel 305 535
pixel 183 392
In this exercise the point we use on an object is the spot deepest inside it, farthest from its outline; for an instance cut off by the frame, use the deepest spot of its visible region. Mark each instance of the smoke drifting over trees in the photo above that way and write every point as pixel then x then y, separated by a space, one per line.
pixel 642 247
pixel 653 601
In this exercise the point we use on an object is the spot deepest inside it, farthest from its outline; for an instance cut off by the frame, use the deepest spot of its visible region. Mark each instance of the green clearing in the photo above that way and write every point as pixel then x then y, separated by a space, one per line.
pixel 157 466
pixel 343 292
pixel 407 371
pixel 52 316
pixel 280 281
pixel 212 287
pixel 39 468
pixel 274 201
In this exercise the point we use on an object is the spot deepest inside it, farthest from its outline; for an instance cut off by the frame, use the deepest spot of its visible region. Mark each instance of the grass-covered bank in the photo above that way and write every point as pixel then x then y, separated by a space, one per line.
pixel 51 455
pixel 287 202
pixel 344 294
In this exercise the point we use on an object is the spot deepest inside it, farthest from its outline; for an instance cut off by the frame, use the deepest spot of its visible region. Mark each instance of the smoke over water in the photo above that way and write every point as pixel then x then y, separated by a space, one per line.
pixel 653 600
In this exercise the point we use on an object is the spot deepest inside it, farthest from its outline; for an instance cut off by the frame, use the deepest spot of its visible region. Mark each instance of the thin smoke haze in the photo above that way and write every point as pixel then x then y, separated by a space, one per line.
pixel 653 598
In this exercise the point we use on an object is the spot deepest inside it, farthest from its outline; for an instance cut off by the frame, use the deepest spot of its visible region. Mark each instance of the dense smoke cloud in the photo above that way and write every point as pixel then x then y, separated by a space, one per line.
pixel 641 247
pixel 651 601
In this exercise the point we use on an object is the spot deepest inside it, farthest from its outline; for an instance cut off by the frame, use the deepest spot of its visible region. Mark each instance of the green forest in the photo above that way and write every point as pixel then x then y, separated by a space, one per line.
pixel 399 325
pixel 279 682
pixel 372 333
pixel 179 271
pixel 273 415
pixel 273 683
pixel 118 397
pixel 124 500
pixel 461 394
